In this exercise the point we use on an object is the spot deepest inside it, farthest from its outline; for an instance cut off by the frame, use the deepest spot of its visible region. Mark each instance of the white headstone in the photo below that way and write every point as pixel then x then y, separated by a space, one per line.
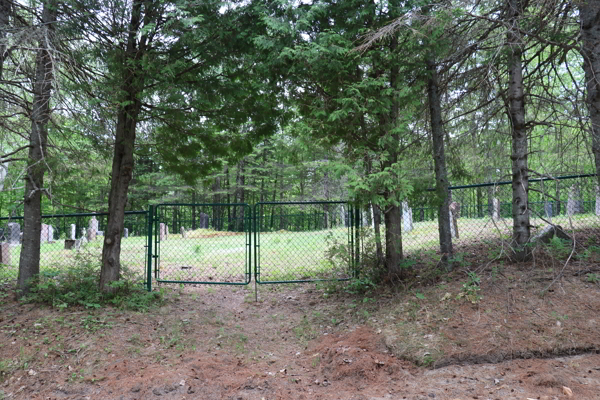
pixel 73 229
pixel 44 234
pixel 183 233
pixel 162 232
pixel 13 234
pixel 407 220
pixel 452 230
pixel 50 234
pixel 92 229
pixel 125 233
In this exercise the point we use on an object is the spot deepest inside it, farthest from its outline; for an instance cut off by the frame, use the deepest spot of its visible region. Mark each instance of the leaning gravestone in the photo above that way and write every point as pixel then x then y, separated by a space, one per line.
pixel 183 233
pixel 203 221
pixel 13 234
pixel 407 219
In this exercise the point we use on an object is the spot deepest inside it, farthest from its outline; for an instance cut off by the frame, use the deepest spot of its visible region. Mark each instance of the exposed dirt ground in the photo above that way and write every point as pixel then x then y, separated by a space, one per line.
pixel 423 341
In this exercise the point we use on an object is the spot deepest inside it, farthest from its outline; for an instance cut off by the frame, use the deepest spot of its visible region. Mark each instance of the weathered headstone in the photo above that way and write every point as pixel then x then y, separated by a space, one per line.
pixel 69 244
pixel 162 232
pixel 100 233
pixel 5 253
pixel 203 221
pixel 80 242
pixel 125 233
pixel 495 209
pixel 407 220
pixel 13 233
pixel 83 232
pixel 548 209
pixel 574 202
pixel 73 229
pixel 452 229
pixel 183 233
pixel 92 229
pixel 598 201
pixel 44 234
pixel 50 234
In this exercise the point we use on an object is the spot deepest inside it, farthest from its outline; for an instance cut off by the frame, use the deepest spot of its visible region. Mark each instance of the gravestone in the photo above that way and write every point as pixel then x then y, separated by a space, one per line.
pixel 548 209
pixel 83 232
pixel 69 244
pixel 100 233
pixel 5 253
pixel 162 232
pixel 452 229
pixel 125 233
pixel 44 234
pixel 13 233
pixel 342 216
pixel 183 233
pixel 598 201
pixel 73 230
pixel 407 220
pixel 50 234
pixel 495 209
pixel 203 221
pixel 80 242
pixel 574 202
pixel 92 229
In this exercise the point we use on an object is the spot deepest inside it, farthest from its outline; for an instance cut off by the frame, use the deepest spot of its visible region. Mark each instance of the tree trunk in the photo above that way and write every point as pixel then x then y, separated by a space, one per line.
pixel 393 241
pixel 439 158
pixel 122 166
pixel 29 262
pixel 377 227
pixel 589 11
pixel 5 13
pixel 516 108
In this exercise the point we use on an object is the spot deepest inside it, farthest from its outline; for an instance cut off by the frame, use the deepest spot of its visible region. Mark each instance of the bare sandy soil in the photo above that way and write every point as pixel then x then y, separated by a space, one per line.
pixel 423 340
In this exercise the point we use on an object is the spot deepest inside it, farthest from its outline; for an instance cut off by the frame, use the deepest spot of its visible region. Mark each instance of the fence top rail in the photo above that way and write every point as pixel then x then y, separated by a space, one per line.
pixel 202 204
pixel 550 178
pixel 76 215
pixel 299 202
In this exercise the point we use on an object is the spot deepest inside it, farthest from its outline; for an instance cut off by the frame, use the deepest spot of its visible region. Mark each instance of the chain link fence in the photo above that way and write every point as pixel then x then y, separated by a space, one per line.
pixel 481 216
pixel 66 238
pixel 303 241
pixel 202 243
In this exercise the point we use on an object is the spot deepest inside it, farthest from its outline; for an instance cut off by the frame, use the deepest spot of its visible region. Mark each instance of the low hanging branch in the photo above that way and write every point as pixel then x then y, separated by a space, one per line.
pixel 4 157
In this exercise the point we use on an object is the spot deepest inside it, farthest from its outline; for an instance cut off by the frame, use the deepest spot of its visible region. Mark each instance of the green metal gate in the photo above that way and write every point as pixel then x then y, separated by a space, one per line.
pixel 202 243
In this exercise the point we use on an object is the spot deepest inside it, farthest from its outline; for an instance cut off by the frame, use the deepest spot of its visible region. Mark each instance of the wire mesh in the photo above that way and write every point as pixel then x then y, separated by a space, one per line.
pixel 482 215
pixel 65 238
pixel 302 242
pixel 203 243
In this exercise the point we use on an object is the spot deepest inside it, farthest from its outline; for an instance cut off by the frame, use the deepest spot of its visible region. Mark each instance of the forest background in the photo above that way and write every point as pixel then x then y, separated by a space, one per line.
pixel 111 106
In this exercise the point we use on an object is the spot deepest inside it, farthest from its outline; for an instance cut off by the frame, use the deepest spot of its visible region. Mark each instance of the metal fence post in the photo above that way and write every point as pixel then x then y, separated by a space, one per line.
pixel 149 266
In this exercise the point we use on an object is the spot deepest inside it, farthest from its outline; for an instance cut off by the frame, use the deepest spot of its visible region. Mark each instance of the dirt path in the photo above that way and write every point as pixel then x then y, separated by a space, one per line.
pixel 300 342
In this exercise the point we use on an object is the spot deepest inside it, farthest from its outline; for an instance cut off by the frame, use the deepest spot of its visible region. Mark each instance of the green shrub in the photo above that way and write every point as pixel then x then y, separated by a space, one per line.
pixel 78 285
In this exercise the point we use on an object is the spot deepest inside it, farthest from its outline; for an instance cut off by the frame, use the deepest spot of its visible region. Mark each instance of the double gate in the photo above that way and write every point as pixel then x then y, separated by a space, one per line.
pixel 272 242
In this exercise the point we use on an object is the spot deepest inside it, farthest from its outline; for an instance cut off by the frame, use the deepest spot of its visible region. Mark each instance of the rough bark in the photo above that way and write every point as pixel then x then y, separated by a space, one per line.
pixel 377 227
pixel 5 13
pixel 29 262
pixel 439 158
pixel 122 166
pixel 393 241
pixel 589 12
pixel 516 108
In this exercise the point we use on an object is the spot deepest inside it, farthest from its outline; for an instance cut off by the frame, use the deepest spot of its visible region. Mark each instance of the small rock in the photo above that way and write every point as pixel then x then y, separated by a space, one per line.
pixel 182 383
pixel 567 391
pixel 136 389
pixel 32 373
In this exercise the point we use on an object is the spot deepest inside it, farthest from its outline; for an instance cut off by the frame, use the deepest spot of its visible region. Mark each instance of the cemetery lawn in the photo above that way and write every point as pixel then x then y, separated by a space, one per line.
pixel 514 331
